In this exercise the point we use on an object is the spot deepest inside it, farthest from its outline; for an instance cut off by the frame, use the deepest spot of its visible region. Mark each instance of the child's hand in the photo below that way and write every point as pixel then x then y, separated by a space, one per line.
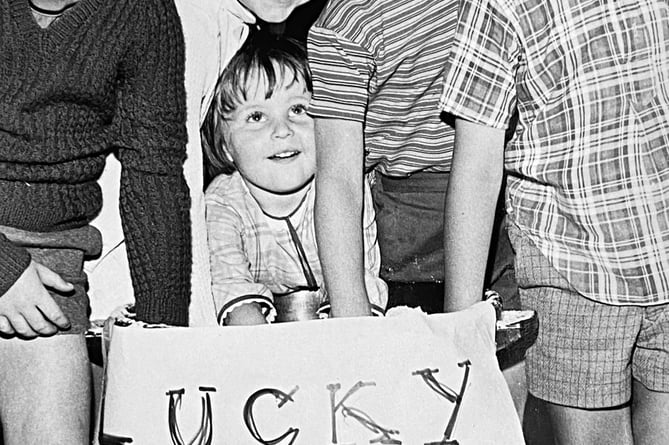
pixel 245 315
pixel 27 309
pixel 124 315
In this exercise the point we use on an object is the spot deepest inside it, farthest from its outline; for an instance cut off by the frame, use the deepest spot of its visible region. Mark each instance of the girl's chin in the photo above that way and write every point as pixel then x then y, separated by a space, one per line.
pixel 296 184
pixel 287 189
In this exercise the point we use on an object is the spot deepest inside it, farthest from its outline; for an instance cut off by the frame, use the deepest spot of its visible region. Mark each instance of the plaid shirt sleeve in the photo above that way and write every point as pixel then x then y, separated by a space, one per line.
pixel 341 72
pixel 479 84
pixel 233 283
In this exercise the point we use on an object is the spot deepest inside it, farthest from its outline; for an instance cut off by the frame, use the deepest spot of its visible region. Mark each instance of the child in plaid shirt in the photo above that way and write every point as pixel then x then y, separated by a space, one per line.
pixel 260 144
pixel 587 198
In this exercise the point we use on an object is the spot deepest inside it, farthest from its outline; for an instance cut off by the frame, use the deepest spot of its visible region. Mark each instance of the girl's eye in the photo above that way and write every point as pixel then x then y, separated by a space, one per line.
pixel 256 116
pixel 299 109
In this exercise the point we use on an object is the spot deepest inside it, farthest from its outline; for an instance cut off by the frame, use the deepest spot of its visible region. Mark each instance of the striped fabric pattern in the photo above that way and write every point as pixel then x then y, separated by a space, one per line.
pixel 253 256
pixel 381 63
pixel 589 164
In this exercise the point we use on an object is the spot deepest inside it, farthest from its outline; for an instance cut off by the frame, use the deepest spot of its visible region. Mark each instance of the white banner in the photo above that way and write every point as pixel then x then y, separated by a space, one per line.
pixel 405 379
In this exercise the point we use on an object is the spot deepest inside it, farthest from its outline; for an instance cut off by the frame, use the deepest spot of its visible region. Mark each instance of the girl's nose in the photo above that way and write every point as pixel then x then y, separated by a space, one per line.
pixel 282 128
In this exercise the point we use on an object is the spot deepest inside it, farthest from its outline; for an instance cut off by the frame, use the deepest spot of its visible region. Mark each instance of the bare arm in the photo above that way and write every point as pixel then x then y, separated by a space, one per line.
pixel 245 315
pixel 338 214
pixel 474 185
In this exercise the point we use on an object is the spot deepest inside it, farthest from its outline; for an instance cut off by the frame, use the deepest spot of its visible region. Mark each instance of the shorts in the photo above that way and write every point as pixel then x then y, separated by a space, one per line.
pixel 587 353
pixel 410 230
pixel 402 205
pixel 64 253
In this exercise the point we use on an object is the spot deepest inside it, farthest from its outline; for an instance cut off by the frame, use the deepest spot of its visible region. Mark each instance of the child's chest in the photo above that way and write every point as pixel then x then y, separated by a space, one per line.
pixel 288 256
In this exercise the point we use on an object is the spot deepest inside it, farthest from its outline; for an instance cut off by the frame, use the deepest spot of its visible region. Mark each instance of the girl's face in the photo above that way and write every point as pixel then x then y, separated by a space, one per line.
pixel 272 140
pixel 272 11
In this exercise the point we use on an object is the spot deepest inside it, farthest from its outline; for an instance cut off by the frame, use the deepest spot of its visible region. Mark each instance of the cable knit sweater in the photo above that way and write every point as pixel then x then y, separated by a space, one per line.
pixel 107 75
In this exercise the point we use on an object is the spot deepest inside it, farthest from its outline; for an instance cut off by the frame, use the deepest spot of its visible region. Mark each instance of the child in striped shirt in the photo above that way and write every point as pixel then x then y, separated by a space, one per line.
pixel 377 67
pixel 260 145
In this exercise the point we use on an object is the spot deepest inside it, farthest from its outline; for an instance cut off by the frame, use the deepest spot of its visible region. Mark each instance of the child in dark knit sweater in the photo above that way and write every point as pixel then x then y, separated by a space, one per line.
pixel 78 83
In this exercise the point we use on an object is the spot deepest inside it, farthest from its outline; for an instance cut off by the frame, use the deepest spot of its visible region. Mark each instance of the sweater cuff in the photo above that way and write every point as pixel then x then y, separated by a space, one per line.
pixel 14 260
pixel 158 309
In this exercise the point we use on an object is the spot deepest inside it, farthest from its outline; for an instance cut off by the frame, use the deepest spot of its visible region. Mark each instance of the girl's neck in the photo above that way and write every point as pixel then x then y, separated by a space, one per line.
pixel 279 205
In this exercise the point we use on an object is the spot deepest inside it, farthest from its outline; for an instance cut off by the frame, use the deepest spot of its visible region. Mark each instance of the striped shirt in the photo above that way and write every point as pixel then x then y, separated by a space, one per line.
pixel 380 62
pixel 254 258
pixel 589 163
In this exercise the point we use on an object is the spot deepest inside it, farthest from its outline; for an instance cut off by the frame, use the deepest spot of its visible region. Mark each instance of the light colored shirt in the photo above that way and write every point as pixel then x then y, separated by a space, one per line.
pixel 254 257
pixel 588 168
pixel 381 63
pixel 213 32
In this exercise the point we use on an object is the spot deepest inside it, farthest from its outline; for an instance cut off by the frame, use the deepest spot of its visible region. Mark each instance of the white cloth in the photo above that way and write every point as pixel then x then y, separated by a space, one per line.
pixel 213 31
pixel 405 375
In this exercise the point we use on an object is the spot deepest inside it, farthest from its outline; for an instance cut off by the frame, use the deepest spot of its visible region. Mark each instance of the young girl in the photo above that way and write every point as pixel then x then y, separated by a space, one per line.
pixel 260 144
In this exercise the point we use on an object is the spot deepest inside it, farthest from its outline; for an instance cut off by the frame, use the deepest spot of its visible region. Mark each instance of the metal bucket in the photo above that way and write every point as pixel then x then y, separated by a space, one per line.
pixel 298 306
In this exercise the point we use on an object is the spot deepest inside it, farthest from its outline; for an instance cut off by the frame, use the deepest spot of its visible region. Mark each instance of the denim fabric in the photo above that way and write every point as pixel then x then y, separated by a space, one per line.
pixel 410 226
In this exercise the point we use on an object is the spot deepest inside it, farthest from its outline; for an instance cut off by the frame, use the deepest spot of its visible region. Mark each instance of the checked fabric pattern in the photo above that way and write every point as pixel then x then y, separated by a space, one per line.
pixel 588 170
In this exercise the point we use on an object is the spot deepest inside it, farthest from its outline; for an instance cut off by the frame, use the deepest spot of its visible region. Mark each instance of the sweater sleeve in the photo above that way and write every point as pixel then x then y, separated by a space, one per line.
pixel 154 196
pixel 13 262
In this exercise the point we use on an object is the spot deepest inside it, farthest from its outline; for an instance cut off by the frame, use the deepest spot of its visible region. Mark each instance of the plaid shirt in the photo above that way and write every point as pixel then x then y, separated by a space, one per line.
pixel 253 256
pixel 588 166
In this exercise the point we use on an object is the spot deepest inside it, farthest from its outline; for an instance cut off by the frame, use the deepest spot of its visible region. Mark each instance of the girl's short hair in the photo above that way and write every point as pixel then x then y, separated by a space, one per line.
pixel 263 60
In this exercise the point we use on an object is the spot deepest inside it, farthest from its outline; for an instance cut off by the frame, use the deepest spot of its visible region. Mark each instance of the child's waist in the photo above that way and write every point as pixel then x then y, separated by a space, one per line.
pixel 48 207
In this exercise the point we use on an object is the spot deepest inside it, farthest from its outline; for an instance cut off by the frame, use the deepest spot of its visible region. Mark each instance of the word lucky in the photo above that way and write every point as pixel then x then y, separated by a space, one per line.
pixel 204 434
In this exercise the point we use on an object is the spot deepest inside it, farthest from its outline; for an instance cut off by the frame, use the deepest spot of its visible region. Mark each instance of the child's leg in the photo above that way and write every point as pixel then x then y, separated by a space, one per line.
pixel 45 390
pixel 650 415
pixel 592 427
pixel 650 369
